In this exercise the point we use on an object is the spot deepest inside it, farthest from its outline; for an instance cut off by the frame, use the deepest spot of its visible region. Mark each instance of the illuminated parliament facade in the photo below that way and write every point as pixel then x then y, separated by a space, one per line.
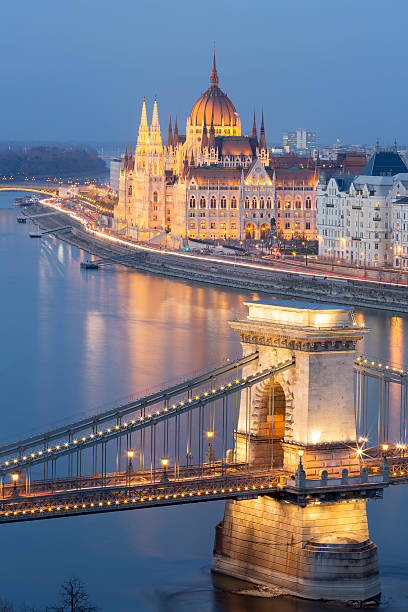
pixel 212 182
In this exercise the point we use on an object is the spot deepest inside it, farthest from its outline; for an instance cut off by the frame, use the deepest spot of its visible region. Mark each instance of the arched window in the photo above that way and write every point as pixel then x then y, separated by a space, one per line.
pixel 298 203
pixel 288 203
pixel 269 202
pixel 246 204
pixel 155 196
pixel 233 202
pixel 279 204
pixel 223 202
pixel 192 202
pixel 308 203
pixel 130 190
pixel 254 202
pixel 213 202
pixel 202 202
pixel 261 202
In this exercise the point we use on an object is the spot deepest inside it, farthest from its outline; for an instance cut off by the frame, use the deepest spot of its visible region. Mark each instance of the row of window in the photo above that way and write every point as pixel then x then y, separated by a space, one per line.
pixel 298 203
pixel 213 202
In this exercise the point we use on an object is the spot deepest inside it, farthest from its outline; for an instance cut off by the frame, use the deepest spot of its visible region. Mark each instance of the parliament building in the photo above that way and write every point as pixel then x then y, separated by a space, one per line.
pixel 212 183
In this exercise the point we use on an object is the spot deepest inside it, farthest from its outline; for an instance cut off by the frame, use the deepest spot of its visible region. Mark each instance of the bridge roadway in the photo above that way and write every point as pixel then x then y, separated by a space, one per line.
pixel 135 490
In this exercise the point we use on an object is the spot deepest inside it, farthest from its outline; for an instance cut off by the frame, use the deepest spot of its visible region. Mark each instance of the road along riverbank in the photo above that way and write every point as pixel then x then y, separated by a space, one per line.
pixel 227 273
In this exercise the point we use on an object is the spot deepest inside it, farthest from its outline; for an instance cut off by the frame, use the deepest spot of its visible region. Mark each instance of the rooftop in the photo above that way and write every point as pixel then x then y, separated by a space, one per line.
pixel 384 163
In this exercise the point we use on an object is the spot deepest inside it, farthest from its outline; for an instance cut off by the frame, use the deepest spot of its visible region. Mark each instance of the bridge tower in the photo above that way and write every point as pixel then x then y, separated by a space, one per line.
pixel 302 421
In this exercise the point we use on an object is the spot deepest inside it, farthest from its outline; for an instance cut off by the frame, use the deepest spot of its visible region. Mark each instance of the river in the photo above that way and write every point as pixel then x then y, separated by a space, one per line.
pixel 74 340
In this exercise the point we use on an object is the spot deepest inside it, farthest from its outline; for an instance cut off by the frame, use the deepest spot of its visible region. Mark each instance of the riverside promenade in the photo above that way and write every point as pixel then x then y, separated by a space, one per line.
pixel 237 274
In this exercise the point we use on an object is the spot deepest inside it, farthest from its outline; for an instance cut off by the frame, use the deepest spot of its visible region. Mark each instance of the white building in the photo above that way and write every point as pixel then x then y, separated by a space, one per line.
pixel 355 214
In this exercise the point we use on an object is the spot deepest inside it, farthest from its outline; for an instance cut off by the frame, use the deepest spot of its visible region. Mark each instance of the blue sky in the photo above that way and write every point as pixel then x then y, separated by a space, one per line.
pixel 79 69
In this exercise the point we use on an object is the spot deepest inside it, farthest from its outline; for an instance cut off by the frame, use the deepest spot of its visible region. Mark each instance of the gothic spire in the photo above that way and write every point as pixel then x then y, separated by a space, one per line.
pixel 155 116
pixel 170 135
pixel 175 137
pixel 262 140
pixel 254 132
pixel 204 141
pixel 212 130
pixel 125 159
pixel 214 75
pixel 143 136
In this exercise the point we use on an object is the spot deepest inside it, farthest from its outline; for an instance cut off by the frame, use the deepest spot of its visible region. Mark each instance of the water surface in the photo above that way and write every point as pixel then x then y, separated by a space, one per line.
pixel 73 341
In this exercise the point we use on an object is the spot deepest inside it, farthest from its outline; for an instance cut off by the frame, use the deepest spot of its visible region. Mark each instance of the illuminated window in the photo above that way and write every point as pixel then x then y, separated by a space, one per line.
pixel 212 225
pixel 130 190
pixel 223 202
pixel 233 202
pixel 155 196
pixel 298 204
pixel 202 202
pixel 288 203
pixel 213 202
pixel 261 202
pixel 202 224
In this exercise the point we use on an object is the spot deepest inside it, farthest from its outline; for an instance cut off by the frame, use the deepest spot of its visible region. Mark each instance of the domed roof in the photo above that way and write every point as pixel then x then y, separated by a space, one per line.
pixel 214 106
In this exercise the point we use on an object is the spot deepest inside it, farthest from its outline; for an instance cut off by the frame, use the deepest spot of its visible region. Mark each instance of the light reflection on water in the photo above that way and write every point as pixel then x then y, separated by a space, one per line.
pixel 74 340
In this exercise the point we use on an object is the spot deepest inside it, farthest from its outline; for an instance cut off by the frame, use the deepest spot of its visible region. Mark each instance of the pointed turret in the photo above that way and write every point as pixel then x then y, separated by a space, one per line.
pixel 155 136
pixel 214 74
pixel 395 148
pixel 143 136
pixel 125 160
pixel 175 137
pixel 170 135
pixel 262 139
pixel 204 141
pixel 192 160
pixel 254 132
pixel 211 141
pixel 130 159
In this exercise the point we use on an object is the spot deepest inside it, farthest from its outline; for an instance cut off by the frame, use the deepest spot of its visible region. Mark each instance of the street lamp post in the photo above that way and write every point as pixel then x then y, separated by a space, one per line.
pixel 165 463
pixel 15 478
pixel 129 471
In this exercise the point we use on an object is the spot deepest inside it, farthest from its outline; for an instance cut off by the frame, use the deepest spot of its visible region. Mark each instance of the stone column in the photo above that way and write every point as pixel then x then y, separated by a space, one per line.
pixel 309 548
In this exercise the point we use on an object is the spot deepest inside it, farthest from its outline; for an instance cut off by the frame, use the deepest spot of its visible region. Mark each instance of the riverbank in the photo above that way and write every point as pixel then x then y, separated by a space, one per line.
pixel 379 296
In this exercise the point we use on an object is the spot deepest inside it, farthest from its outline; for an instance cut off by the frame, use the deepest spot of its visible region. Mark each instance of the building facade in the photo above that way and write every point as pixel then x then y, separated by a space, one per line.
pixel 360 218
pixel 302 141
pixel 212 183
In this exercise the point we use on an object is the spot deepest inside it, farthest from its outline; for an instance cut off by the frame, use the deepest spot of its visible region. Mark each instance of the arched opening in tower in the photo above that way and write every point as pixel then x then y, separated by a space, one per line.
pixel 271 426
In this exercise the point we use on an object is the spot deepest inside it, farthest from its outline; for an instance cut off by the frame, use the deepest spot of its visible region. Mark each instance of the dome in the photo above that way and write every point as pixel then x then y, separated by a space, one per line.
pixel 214 105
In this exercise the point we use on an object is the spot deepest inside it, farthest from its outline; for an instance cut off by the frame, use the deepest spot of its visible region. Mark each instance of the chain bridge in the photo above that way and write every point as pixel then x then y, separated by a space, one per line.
pixel 299 421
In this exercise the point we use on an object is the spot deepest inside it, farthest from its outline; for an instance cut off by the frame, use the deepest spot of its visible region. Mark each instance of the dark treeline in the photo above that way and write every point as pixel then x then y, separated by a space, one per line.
pixel 44 161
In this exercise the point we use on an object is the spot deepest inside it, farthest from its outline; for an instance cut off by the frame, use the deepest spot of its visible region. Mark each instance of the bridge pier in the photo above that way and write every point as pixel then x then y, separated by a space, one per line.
pixel 302 420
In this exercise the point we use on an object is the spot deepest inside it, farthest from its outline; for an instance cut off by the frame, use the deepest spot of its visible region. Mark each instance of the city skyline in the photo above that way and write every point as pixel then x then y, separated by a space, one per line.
pixel 319 71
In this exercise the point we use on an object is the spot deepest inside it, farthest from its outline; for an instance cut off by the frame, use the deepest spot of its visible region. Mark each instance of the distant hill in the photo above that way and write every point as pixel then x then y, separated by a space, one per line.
pixel 47 161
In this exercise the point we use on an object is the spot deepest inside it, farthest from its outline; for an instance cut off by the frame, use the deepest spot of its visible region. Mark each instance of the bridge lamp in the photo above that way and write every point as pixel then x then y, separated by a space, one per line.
pixel 359 451
pixel 385 447
pixel 15 477
pixel 130 454
pixel 210 434
pixel 301 453
pixel 165 462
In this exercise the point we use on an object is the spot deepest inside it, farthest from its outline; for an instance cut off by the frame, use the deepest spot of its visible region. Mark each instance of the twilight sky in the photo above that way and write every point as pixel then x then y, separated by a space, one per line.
pixel 78 69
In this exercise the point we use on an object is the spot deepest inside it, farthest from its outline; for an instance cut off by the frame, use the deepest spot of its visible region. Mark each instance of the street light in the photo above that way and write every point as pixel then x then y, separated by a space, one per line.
pixel 130 454
pixel 15 477
pixel 210 454
pixel 165 463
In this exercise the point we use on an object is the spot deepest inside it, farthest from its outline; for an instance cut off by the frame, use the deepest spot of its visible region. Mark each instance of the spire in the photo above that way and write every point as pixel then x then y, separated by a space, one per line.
pixel 262 140
pixel 125 160
pixel 254 132
pixel 204 141
pixel 192 161
pixel 130 159
pixel 395 148
pixel 212 130
pixel 175 137
pixel 143 136
pixel 170 135
pixel 377 146
pixel 155 117
pixel 214 75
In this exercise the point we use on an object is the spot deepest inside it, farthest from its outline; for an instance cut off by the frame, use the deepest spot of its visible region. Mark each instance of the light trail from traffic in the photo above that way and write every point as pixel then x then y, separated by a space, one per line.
pixel 212 259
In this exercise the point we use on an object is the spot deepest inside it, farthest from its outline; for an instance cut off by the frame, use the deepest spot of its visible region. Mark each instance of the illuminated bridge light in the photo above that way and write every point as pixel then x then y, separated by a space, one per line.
pixel 197 397
pixel 92 436
pixel 100 504
pixel 108 430
pixel 32 454
pixel 24 458
pixel 206 393
pixel 100 433
pixel 15 461
pixel 6 463
pixel 190 400
pixel 117 427
pixel 75 441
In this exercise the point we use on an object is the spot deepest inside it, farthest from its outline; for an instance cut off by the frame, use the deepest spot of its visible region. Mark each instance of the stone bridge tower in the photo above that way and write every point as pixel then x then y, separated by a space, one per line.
pixel 301 421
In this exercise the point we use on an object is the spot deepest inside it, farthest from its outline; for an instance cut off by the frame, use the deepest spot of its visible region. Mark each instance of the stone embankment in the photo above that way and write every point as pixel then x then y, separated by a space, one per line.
pixel 316 288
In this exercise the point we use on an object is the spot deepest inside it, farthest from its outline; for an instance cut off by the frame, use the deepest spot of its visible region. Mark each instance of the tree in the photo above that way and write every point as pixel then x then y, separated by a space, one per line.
pixel 73 596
